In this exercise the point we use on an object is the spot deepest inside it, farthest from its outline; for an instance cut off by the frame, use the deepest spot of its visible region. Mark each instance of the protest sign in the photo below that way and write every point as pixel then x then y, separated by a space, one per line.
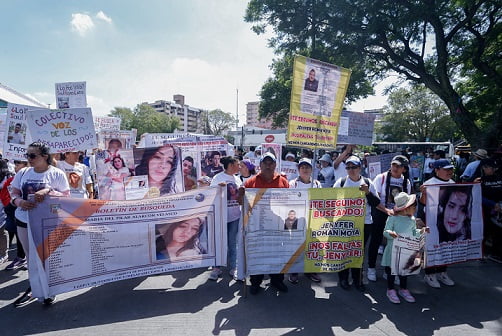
pixel 16 137
pixel 107 123
pixel 114 141
pixel 79 243
pixel 454 216
pixel 379 163
pixel 111 172
pixel 407 255
pixel 71 95
pixel 64 130
pixel 289 168
pixel 302 230
pixel 356 128
pixel 275 149
pixel 335 236
pixel 317 96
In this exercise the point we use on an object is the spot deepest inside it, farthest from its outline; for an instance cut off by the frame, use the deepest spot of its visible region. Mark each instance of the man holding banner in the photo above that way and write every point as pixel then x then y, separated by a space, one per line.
pixel 267 178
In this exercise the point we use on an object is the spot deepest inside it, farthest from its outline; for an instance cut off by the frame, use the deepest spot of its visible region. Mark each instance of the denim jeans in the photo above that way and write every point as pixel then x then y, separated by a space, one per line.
pixel 232 230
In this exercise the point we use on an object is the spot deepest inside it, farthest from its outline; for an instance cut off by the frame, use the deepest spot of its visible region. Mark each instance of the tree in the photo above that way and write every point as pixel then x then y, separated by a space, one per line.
pixel 125 114
pixel 145 119
pixel 442 44
pixel 216 122
pixel 416 114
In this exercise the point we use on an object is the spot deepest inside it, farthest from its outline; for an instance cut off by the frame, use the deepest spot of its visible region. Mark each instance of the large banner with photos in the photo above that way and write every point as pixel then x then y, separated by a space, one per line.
pixel 81 243
pixel 302 230
pixel 454 216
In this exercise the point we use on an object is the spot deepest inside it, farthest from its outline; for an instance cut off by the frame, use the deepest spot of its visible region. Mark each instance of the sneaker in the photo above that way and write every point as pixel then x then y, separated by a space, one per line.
pixel 233 273
pixel 25 299
pixel 49 301
pixel 445 279
pixel 392 296
pixel 371 274
pixel 406 295
pixel 280 286
pixel 432 281
pixel 396 279
pixel 293 278
pixel 215 274
pixel 254 289
pixel 5 258
pixel 16 263
pixel 314 277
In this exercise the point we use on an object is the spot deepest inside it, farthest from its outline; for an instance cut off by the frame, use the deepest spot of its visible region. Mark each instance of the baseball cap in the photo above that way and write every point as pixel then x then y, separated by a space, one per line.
pixel 326 157
pixel 290 155
pixel 400 160
pixel 354 160
pixel 268 155
pixel 305 161
pixel 258 149
pixel 442 163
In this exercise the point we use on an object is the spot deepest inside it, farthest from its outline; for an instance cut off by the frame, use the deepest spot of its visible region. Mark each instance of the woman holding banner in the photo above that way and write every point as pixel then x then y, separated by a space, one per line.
pixel 443 172
pixel 29 187
pixel 160 164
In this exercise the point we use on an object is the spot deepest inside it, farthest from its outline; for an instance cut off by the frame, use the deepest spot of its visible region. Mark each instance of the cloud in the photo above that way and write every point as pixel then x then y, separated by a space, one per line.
pixel 102 16
pixel 81 23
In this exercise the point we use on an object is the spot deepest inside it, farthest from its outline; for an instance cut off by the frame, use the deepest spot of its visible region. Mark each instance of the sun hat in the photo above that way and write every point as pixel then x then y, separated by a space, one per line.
pixel 305 161
pixel 400 160
pixel 442 163
pixel 326 157
pixel 268 155
pixel 354 160
pixel 481 153
pixel 403 201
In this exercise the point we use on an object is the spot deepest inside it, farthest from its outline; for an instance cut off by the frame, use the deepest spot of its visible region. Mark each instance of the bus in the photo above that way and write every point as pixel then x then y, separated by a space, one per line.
pixel 416 147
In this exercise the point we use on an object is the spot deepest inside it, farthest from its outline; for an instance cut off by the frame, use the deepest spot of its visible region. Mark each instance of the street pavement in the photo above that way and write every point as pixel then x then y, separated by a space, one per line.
pixel 186 303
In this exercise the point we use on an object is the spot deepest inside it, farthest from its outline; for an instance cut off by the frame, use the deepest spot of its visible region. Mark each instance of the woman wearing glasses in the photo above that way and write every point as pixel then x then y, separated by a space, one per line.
pixel 29 187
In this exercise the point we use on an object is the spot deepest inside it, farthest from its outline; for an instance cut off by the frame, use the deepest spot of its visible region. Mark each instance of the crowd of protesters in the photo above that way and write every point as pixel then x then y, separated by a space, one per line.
pixel 395 200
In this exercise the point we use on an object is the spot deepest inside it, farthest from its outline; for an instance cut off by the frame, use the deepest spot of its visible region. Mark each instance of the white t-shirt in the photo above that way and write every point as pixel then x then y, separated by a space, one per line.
pixel 349 183
pixel 16 138
pixel 326 176
pixel 340 171
pixel 78 177
pixel 29 182
pixel 396 186
pixel 233 183
pixel 297 184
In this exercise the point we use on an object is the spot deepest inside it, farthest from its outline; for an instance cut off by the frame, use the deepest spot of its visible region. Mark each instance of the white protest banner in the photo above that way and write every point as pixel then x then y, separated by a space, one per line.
pixel 16 138
pixel 454 216
pixel 356 128
pixel 302 230
pixel 157 139
pixel 107 123
pixel 79 243
pixel 407 255
pixel 65 130
pixel 71 95
pixel 114 141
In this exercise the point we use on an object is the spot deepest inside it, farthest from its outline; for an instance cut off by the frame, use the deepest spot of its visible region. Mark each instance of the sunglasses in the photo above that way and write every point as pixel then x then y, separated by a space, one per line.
pixel 351 167
pixel 31 156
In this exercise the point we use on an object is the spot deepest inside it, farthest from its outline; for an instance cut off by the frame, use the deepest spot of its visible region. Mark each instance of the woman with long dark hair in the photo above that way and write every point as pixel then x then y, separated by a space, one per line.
pixel 181 239
pixel 160 164
pixel 454 213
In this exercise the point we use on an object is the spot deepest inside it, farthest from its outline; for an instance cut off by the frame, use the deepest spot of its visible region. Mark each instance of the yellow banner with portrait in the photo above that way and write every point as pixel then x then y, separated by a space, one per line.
pixel 317 97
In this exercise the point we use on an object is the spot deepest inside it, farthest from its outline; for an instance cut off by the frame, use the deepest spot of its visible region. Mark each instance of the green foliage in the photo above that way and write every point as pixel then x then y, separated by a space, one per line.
pixel 416 114
pixel 452 47
pixel 145 119
pixel 216 122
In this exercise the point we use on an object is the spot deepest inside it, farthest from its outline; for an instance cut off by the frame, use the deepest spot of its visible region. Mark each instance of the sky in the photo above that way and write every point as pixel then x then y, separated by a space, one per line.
pixel 129 52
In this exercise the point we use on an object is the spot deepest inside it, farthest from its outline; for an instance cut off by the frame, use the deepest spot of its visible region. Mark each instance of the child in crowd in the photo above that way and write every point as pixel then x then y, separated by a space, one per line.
pixel 403 223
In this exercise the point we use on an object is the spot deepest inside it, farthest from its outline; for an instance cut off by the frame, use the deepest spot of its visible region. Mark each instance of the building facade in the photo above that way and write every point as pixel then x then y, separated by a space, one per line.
pixel 190 117
pixel 253 117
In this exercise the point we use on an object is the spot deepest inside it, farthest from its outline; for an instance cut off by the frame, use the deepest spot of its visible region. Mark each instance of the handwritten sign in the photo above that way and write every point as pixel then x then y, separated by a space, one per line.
pixel 63 130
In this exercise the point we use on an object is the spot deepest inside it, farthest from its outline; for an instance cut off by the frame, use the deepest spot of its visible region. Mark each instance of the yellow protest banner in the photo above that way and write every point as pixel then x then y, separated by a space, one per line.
pixel 317 96
pixel 335 234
